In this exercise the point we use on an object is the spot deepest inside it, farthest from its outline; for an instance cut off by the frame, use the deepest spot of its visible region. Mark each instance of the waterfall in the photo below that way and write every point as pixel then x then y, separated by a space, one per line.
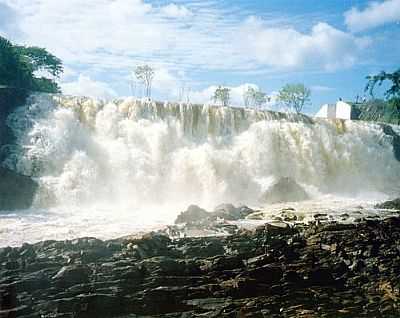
pixel 107 169
pixel 137 153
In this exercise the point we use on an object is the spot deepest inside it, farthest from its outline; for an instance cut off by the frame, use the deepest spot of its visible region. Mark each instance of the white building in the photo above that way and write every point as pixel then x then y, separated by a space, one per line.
pixel 340 110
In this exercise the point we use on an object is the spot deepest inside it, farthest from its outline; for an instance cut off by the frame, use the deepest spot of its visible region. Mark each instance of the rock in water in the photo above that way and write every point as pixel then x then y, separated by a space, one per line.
pixel 229 212
pixel 16 191
pixel 284 190
pixel 388 130
pixel 393 205
pixel 192 214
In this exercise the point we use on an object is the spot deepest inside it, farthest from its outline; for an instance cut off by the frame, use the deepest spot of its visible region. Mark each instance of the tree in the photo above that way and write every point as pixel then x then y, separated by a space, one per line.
pixel 18 65
pixel 294 96
pixel 393 91
pixel 222 95
pixel 390 112
pixel 254 97
pixel 145 74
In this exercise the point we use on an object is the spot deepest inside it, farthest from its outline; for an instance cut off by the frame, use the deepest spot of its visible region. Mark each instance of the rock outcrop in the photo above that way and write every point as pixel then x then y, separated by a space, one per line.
pixel 391 204
pixel 10 99
pixel 16 191
pixel 284 190
pixel 327 270
pixel 388 130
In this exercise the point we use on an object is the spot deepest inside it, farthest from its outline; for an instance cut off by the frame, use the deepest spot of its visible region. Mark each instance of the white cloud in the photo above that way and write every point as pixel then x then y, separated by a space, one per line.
pixel 85 86
pixel 166 81
pixel 176 11
pixel 325 46
pixel 376 14
pixel 118 34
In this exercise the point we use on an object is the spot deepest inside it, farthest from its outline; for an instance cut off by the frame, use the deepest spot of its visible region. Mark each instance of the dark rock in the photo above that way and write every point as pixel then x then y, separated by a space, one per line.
pixel 71 275
pixel 231 213
pixel 163 265
pixel 392 204
pixel 317 270
pixel 320 277
pixel 278 228
pixel 16 191
pixel 284 190
pixel 260 260
pixel 224 263
pixel 192 214
pixel 10 99
pixel 165 299
pixel 266 274
pixel 388 130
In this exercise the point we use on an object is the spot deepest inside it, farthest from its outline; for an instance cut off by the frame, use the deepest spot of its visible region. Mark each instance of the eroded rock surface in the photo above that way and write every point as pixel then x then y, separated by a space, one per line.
pixel 277 270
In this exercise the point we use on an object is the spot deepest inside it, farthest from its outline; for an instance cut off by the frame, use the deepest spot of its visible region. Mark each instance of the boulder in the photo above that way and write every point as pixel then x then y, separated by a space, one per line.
pixel 229 212
pixel 16 191
pixel 284 190
pixel 193 214
pixel 392 204
pixel 388 130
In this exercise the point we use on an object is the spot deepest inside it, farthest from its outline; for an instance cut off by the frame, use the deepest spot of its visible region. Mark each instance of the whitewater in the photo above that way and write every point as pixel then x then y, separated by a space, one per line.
pixel 107 169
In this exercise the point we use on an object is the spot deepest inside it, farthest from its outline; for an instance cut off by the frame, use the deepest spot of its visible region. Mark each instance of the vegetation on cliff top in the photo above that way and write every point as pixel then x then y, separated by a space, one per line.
pixel 22 67
pixel 387 109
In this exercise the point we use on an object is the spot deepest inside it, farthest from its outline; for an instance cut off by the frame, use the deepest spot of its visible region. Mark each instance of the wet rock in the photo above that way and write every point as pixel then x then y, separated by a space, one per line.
pixel 165 299
pixel 320 277
pixel 316 270
pixel 71 275
pixel 276 228
pixel 192 214
pixel 388 130
pixel 16 191
pixel 265 274
pixel 224 263
pixel 284 190
pixel 163 265
pixel 289 215
pixel 392 204
pixel 149 245
pixel 230 212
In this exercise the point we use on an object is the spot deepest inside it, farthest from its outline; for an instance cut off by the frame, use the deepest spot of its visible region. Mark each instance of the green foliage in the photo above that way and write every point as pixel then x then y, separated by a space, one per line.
pixel 222 95
pixel 387 110
pixel 145 74
pixel 18 65
pixel 13 71
pixel 254 97
pixel 294 96
pixel 393 91
pixel 40 59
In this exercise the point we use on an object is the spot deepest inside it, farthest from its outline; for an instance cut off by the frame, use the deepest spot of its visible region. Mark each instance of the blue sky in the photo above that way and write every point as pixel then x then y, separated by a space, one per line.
pixel 194 45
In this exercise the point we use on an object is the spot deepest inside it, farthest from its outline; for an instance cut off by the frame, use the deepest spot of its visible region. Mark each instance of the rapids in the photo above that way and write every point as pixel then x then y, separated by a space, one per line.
pixel 132 165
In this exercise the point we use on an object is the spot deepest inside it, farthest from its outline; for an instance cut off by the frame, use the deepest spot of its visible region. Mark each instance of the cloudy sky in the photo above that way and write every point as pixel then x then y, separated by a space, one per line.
pixel 194 45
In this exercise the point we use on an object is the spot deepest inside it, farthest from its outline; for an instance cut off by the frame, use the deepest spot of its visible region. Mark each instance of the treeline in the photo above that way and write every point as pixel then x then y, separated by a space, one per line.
pixel 386 109
pixel 28 68
pixel 292 97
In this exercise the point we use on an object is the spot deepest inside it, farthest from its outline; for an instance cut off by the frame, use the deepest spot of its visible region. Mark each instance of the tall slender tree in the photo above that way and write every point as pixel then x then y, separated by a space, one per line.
pixel 222 95
pixel 145 74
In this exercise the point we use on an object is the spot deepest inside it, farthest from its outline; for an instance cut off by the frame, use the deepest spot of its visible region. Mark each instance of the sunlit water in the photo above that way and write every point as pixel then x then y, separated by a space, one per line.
pixel 111 169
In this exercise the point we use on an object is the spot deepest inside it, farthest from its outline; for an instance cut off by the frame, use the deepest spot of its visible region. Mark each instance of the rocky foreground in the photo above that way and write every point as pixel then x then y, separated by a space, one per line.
pixel 318 270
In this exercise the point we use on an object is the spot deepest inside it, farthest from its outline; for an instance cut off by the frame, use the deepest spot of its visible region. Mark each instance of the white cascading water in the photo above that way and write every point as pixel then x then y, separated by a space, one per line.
pixel 112 168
